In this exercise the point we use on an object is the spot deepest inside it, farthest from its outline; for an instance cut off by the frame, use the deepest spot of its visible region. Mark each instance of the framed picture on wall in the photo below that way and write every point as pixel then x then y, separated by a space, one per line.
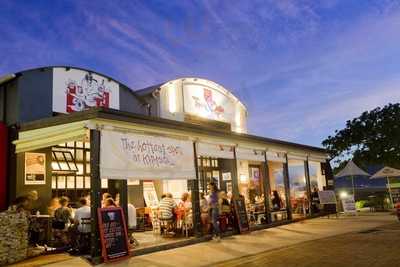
pixel 35 168
pixel 226 176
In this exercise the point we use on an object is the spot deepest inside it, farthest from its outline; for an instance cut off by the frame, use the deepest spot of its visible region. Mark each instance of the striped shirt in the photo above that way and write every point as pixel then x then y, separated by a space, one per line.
pixel 167 205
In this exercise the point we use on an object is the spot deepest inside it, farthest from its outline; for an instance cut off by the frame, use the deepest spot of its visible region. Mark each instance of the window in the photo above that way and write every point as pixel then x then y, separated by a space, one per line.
pixel 71 169
pixel 298 188
pixel 63 162
pixel 317 179
pixel 277 185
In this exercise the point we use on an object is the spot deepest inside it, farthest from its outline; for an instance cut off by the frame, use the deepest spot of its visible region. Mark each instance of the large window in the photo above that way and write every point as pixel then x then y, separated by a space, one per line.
pixel 277 185
pixel 71 170
pixel 317 179
pixel 298 188
pixel 208 171
pixel 251 187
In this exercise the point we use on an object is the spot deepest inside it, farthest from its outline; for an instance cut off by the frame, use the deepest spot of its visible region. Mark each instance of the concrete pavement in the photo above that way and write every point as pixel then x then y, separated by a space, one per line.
pixel 376 247
pixel 212 253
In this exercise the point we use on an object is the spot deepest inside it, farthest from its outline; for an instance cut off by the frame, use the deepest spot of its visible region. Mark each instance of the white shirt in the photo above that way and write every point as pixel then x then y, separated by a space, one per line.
pixel 131 216
pixel 82 212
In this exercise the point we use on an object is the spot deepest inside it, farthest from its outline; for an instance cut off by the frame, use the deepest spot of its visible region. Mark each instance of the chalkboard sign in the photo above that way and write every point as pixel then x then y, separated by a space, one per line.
pixel 241 214
pixel 113 233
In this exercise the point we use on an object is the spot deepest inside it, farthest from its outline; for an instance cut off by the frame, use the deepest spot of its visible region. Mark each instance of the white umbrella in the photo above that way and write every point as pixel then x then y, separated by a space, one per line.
pixel 351 169
pixel 387 172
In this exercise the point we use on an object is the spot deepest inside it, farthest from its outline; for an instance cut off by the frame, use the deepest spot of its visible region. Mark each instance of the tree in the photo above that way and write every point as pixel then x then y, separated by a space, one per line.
pixel 372 138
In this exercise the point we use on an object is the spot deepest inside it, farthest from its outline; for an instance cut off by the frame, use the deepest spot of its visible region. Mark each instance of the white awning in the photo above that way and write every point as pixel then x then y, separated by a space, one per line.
pixel 276 156
pixel 249 154
pixel 50 136
pixel 215 151
pixel 297 157
pixel 317 158
pixel 145 157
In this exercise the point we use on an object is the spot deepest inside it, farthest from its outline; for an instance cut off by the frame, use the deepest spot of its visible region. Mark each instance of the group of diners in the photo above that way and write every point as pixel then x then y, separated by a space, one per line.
pixel 70 228
pixel 169 216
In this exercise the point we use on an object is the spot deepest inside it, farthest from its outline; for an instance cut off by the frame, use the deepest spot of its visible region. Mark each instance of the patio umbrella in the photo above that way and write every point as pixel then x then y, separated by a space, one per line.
pixel 387 172
pixel 351 169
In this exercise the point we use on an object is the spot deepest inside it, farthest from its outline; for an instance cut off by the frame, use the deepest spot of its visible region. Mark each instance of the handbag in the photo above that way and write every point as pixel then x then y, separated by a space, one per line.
pixel 59 225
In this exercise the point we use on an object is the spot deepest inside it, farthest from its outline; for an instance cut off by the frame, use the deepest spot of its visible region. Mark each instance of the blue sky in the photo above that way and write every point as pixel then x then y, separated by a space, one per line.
pixel 301 67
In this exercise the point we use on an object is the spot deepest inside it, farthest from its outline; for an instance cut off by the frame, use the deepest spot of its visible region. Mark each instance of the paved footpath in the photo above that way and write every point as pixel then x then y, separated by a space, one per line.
pixel 377 247
pixel 238 250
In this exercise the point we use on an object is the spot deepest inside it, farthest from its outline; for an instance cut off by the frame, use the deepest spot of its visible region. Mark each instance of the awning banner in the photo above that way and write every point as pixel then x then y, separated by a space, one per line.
pixel 215 151
pixel 249 154
pixel 276 156
pixel 145 157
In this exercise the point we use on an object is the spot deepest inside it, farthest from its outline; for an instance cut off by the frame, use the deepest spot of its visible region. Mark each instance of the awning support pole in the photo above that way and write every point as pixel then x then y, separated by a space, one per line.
pixel 196 197
pixel 287 188
pixel 308 185
pixel 267 189
pixel 235 176
pixel 95 191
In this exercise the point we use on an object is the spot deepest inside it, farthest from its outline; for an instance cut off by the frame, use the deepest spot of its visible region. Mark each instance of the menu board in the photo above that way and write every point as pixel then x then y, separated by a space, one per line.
pixel 327 197
pixel 349 205
pixel 241 214
pixel 395 195
pixel 113 233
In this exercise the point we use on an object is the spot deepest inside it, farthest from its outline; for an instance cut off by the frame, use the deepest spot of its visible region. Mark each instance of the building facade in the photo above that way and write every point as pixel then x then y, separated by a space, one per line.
pixel 74 132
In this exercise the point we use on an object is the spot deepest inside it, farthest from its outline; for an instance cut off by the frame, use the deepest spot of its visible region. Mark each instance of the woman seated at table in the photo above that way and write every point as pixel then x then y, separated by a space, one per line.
pixel 54 205
pixel 186 205
pixel 204 214
pixel 62 220
pixel 276 200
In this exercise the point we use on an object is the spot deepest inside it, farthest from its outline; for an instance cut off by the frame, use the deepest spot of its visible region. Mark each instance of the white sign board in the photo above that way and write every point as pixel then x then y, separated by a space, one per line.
pixel 134 156
pixel 150 194
pixel 327 197
pixel 78 90
pixel 226 176
pixel 208 103
pixel 349 205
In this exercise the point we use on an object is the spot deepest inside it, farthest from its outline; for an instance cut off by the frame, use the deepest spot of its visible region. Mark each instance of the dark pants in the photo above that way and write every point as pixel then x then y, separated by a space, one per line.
pixel 214 221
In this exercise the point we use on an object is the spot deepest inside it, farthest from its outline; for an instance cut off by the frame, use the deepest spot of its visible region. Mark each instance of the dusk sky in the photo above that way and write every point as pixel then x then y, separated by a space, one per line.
pixel 302 68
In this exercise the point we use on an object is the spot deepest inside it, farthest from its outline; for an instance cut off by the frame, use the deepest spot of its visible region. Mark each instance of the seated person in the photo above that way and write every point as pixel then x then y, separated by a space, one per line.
pixel 277 202
pixel 82 212
pixel 109 203
pixel 167 207
pixel 105 196
pixel 186 205
pixel 204 214
pixel 132 223
pixel 54 205
pixel 62 221
pixel 224 206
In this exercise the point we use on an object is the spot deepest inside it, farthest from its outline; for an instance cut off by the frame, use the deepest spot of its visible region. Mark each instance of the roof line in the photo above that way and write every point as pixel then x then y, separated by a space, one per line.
pixel 113 114
pixel 154 87
pixel 83 69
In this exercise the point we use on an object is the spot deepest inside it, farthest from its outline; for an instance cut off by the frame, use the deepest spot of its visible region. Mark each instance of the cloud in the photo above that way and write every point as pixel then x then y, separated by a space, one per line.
pixel 301 67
